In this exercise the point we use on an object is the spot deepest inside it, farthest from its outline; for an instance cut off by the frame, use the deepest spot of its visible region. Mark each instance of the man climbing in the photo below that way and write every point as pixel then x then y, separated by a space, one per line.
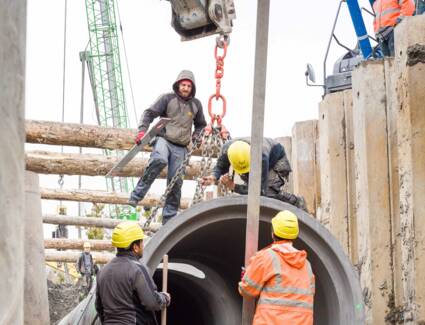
pixel 281 278
pixel 274 171
pixel 170 147
pixel 86 266
pixel 125 292
pixel 389 13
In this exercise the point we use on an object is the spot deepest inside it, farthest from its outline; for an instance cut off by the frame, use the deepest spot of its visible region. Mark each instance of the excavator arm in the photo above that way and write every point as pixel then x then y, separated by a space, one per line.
pixel 194 19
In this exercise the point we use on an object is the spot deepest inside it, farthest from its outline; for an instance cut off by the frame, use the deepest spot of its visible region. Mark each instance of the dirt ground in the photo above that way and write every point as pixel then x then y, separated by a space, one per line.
pixel 62 299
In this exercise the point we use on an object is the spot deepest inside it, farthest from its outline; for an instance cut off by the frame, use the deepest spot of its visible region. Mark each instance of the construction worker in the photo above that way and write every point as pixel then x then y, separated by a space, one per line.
pixel 388 13
pixel 170 147
pixel 86 266
pixel 280 277
pixel 125 292
pixel 274 173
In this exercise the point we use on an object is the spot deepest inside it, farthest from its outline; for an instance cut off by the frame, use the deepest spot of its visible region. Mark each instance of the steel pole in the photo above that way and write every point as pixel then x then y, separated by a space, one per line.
pixel 257 126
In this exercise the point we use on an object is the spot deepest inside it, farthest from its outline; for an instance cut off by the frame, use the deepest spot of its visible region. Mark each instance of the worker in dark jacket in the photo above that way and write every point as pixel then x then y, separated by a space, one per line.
pixel 274 171
pixel 170 147
pixel 126 293
pixel 86 266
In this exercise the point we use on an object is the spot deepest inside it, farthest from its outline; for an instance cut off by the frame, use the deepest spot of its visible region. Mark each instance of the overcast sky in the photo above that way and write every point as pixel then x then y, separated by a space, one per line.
pixel 298 33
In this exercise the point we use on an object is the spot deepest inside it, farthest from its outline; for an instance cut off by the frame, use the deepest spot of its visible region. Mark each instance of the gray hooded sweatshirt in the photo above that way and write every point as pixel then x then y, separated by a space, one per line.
pixel 183 113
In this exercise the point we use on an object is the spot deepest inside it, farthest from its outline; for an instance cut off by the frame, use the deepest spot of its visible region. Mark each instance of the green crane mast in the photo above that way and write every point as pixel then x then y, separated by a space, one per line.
pixel 104 66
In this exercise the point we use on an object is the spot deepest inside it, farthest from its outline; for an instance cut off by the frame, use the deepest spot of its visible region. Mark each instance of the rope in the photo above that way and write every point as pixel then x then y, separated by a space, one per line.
pixel 126 64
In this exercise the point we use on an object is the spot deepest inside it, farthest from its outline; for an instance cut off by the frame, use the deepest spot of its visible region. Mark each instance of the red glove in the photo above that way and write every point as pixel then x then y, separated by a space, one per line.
pixel 139 137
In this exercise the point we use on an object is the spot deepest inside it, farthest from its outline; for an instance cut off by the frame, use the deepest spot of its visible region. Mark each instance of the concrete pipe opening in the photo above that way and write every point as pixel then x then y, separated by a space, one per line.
pixel 207 241
pixel 211 237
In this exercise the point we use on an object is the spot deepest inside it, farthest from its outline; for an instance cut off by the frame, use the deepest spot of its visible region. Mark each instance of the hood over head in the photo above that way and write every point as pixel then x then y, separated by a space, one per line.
pixel 290 254
pixel 183 75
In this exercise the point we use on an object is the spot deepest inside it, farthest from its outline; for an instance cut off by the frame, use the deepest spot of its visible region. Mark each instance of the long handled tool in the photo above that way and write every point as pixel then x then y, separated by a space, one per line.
pixel 138 147
pixel 164 287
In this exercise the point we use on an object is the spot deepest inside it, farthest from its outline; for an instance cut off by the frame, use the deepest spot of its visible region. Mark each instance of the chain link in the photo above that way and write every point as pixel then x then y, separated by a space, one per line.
pixel 179 174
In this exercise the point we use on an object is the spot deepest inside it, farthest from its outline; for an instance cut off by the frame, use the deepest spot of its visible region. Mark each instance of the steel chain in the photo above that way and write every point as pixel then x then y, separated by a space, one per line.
pixel 179 174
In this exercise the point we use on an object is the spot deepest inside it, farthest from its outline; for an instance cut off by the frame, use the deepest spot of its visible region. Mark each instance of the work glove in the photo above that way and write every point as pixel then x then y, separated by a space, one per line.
pixel 139 137
pixel 167 298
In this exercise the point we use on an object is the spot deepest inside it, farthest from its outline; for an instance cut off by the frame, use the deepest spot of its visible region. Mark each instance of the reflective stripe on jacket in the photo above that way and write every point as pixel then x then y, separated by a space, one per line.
pixel 281 278
pixel 387 12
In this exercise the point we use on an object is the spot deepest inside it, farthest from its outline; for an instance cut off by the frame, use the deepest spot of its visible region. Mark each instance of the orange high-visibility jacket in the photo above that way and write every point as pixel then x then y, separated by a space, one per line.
pixel 281 278
pixel 387 12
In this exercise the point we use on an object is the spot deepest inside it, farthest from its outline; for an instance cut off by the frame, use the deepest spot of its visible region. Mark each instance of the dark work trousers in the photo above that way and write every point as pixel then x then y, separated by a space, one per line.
pixel 387 44
pixel 164 153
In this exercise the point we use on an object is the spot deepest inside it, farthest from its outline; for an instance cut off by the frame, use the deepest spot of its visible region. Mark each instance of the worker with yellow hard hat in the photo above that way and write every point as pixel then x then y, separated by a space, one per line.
pixel 125 292
pixel 275 169
pixel 281 278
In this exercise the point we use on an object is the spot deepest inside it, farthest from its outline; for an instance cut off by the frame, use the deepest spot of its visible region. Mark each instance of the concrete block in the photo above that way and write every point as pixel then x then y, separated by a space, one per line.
pixel 333 167
pixel 350 176
pixel 287 144
pixel 12 133
pixel 410 76
pixel 36 304
pixel 305 163
pixel 392 107
pixel 372 189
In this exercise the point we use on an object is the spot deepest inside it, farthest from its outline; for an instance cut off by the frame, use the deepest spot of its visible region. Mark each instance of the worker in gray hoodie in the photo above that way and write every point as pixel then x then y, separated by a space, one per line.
pixel 170 146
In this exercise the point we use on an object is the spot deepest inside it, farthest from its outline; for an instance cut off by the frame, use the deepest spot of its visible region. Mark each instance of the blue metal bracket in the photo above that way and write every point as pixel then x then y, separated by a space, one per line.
pixel 360 28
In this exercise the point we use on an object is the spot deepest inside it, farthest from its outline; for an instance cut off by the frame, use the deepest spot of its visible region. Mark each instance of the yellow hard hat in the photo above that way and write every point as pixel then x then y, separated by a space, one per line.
pixel 126 233
pixel 238 154
pixel 285 225
pixel 86 245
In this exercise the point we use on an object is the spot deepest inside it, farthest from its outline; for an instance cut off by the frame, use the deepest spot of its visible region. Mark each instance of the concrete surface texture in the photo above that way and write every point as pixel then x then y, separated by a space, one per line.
pixel 305 163
pixel 372 189
pixel 410 76
pixel 36 305
pixel 12 94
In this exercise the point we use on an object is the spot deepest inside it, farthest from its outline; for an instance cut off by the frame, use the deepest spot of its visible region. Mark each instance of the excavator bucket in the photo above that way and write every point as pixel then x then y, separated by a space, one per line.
pixel 194 19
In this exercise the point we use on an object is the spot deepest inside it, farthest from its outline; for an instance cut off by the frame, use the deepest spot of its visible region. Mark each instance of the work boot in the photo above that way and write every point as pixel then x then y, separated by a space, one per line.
pixel 132 202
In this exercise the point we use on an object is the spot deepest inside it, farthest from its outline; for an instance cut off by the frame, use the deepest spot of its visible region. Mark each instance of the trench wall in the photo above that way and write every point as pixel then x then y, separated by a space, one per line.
pixel 361 169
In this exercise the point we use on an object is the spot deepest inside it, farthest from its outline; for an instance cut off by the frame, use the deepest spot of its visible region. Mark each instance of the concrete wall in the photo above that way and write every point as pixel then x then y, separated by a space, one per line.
pixel 334 208
pixel 372 167
pixel 12 85
pixel 36 305
pixel 305 164
pixel 410 84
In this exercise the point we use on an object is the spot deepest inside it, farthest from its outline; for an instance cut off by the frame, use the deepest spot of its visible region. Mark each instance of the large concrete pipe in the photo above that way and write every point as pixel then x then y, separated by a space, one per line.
pixel 210 237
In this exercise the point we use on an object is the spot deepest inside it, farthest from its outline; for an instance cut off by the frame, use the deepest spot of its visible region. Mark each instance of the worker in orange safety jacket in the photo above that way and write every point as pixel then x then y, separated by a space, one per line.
pixel 281 278
pixel 388 13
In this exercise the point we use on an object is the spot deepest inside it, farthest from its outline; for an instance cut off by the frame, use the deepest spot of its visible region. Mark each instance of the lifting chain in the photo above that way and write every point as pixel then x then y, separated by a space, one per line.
pixel 212 144
pixel 219 72
pixel 179 174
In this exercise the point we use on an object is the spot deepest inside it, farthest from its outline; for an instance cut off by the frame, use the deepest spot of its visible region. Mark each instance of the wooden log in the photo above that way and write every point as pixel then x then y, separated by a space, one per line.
pixel 81 135
pixel 44 162
pixel 72 257
pixel 101 197
pixel 81 221
pixel 65 243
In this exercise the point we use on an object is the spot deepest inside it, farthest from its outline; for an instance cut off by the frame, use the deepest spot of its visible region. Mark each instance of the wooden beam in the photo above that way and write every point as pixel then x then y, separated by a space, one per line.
pixel 81 135
pixel 72 257
pixel 81 221
pixel 101 197
pixel 44 162
pixel 65 243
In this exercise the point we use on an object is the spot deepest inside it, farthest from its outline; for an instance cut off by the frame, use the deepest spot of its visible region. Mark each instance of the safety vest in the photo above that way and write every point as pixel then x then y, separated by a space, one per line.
pixel 387 12
pixel 285 293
